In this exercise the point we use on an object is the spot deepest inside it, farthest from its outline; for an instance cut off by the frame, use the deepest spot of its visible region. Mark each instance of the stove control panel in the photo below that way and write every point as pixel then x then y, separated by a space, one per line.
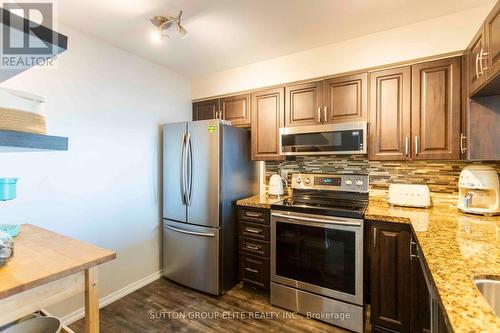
pixel 339 182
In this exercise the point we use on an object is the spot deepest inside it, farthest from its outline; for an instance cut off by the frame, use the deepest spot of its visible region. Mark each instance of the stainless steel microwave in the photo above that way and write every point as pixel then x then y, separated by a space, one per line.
pixel 328 139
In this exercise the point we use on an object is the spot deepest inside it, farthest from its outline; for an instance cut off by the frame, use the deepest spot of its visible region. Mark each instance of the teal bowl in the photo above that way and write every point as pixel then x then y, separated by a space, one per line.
pixel 8 188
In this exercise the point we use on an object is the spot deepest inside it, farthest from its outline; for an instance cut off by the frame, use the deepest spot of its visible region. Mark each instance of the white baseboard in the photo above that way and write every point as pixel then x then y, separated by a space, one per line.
pixel 80 313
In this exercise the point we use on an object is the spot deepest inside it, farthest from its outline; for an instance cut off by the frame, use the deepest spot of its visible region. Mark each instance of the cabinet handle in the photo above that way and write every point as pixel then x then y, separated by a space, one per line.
pixel 251 270
pixel 463 149
pixel 253 231
pixel 416 145
pixel 252 214
pixel 412 244
pixel 374 237
pixel 319 114
pixel 324 114
pixel 407 142
pixel 482 56
pixel 477 66
pixel 252 247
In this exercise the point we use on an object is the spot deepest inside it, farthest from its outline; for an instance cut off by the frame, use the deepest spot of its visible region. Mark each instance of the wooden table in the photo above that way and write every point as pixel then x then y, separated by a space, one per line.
pixel 47 268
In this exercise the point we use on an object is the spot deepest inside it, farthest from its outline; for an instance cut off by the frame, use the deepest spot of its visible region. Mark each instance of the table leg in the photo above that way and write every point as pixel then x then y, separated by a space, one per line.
pixel 92 300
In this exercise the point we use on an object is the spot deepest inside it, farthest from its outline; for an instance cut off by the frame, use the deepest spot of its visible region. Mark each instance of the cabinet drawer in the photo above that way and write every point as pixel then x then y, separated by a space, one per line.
pixel 254 231
pixel 254 270
pixel 254 247
pixel 254 215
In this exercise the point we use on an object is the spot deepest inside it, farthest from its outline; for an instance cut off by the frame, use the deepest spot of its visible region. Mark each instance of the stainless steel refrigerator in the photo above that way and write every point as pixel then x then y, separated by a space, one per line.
pixel 206 168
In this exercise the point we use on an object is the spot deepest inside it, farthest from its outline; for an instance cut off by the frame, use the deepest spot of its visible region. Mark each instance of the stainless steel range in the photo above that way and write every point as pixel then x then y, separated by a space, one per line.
pixel 317 248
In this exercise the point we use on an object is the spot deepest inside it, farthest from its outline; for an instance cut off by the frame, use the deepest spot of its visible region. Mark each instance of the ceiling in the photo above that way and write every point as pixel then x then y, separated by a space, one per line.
pixel 230 33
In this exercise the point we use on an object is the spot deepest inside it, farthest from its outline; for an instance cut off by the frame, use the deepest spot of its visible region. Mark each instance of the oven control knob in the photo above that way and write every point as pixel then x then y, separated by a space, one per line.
pixel 348 182
pixel 359 182
pixel 307 181
pixel 298 180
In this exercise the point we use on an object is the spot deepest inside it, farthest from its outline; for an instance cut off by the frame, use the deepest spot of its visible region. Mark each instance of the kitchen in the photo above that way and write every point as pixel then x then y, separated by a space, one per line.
pixel 272 190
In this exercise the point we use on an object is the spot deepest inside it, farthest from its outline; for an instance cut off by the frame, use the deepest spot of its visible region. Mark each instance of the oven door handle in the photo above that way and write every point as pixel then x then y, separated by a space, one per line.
pixel 311 219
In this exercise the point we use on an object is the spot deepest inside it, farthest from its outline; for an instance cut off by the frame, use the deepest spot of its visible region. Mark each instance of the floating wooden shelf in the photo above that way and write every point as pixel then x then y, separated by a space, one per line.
pixel 12 141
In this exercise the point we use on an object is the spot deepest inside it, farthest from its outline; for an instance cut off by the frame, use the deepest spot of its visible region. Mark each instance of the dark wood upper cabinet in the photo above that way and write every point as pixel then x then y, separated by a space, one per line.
pixel 390 107
pixel 236 109
pixel 303 104
pixel 206 109
pixel 475 78
pixel 346 98
pixel 492 38
pixel 390 276
pixel 436 109
pixel 267 118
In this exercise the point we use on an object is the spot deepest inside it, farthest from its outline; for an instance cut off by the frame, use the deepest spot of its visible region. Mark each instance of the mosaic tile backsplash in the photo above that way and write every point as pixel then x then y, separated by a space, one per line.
pixel 441 176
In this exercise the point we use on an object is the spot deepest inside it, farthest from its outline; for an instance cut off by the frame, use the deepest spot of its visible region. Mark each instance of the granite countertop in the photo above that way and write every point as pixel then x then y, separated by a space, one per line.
pixel 457 247
pixel 260 201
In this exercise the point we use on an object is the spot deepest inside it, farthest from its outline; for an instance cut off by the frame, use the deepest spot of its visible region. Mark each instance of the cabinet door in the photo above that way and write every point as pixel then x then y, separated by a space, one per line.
pixel 436 109
pixel 236 109
pixel 303 105
pixel 346 98
pixel 390 276
pixel 475 77
pixel 205 109
pixel 390 107
pixel 267 118
pixel 492 34
pixel 420 298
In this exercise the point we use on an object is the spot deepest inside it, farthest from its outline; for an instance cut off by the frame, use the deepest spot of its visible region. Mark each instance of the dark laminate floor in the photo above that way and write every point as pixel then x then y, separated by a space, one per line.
pixel 135 312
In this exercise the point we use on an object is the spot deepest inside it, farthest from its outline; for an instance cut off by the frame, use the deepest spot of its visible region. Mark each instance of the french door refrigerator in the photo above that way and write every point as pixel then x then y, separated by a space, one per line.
pixel 206 168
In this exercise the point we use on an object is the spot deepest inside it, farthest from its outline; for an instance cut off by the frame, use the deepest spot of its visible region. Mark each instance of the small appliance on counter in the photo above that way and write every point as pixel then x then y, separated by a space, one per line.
pixel 6 247
pixel 410 195
pixel 479 190
pixel 276 185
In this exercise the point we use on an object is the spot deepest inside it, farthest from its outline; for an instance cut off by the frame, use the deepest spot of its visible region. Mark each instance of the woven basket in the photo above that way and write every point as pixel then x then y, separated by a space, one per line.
pixel 13 120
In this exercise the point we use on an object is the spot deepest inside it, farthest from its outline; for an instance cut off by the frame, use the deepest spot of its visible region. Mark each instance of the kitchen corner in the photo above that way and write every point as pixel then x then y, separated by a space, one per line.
pixel 455 248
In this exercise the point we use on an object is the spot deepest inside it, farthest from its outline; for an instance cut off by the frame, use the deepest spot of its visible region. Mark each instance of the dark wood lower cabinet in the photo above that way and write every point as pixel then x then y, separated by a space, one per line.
pixel 390 276
pixel 255 270
pixel 399 294
pixel 420 298
pixel 254 246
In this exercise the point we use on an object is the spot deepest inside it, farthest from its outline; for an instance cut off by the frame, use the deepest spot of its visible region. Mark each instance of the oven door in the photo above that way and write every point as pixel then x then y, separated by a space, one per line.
pixel 319 254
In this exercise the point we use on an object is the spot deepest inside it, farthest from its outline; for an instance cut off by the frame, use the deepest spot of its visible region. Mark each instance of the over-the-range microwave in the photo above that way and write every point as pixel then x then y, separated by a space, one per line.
pixel 327 139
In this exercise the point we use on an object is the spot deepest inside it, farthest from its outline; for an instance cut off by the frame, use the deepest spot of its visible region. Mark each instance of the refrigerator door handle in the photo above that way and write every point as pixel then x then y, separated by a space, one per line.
pixel 190 232
pixel 181 178
pixel 189 168
pixel 185 176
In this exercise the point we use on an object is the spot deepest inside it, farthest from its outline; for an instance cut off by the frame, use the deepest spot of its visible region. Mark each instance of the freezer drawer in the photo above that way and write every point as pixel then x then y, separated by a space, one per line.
pixel 191 255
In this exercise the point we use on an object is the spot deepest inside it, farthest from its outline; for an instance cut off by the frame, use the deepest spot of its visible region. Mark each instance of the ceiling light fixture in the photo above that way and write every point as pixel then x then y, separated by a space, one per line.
pixel 162 23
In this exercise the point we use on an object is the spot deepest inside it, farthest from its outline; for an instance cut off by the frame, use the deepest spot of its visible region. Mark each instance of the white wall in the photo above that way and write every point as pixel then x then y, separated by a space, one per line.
pixel 437 36
pixel 105 189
